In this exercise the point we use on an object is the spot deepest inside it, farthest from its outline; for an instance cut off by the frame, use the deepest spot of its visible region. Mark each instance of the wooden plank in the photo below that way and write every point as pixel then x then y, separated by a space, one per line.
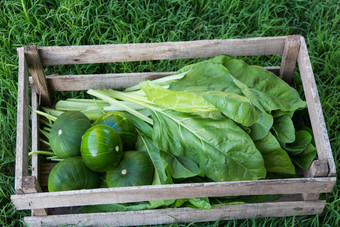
pixel 319 168
pixel 31 185
pixel 35 132
pixel 322 143
pixel 37 71
pixel 161 51
pixel 289 56
pixel 22 140
pixel 174 191
pixel 182 215
pixel 105 81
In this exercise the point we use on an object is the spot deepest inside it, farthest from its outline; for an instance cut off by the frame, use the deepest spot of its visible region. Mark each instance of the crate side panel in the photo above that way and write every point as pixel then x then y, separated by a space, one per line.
pixel 172 191
pixel 182 215
pixel 161 51
pixel 314 108
pixel 22 140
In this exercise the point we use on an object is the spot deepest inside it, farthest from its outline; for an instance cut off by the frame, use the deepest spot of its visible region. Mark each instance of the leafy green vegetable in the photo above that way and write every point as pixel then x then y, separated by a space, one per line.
pixel 272 92
pixel 275 158
pixel 284 129
pixel 182 167
pixel 305 159
pixel 176 100
pixel 302 140
pixel 222 149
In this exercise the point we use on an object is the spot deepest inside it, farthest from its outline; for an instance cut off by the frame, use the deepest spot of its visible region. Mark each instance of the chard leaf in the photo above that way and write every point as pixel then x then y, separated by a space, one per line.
pixel 234 106
pixel 302 140
pixel 161 173
pixel 272 92
pixel 223 150
pixel 284 129
pixel 305 159
pixel 176 100
pixel 262 126
pixel 276 160
pixel 206 76
pixel 182 167
pixel 201 203
pixel 157 157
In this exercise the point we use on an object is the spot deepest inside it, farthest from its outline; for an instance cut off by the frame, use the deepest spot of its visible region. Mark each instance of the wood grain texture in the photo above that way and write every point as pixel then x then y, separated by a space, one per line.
pixel 105 81
pixel 289 56
pixel 318 168
pixel 174 191
pixel 22 140
pixel 35 132
pixel 37 71
pixel 182 215
pixel 314 109
pixel 31 185
pixel 160 51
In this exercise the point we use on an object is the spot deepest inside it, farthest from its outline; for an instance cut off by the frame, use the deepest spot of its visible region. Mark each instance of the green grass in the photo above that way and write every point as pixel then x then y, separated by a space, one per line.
pixel 71 22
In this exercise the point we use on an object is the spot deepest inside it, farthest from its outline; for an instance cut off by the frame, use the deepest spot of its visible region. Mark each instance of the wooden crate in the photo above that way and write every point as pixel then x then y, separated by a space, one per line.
pixel 301 194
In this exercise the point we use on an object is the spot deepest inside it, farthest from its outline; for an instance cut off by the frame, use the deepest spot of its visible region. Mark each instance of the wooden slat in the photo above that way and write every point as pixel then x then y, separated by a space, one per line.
pixel 160 51
pixel 319 168
pixel 31 185
pixel 22 140
pixel 35 132
pixel 182 215
pixel 37 71
pixel 105 81
pixel 175 191
pixel 314 108
pixel 289 56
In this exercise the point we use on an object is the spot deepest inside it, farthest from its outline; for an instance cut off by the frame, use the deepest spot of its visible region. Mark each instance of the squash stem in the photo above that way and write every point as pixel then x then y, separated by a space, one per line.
pixel 48 116
pixel 42 153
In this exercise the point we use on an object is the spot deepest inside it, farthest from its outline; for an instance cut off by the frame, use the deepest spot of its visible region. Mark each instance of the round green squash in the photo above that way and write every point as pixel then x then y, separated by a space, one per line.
pixel 123 125
pixel 72 174
pixel 135 169
pixel 66 132
pixel 101 148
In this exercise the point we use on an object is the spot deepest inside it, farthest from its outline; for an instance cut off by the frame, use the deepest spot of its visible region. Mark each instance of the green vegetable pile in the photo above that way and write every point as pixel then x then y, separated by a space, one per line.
pixel 217 120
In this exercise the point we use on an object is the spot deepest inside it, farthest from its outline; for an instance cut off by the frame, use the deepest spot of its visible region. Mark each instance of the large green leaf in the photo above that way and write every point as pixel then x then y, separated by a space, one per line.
pixel 284 129
pixel 302 140
pixel 262 126
pixel 182 167
pixel 222 149
pixel 158 160
pixel 234 106
pixel 215 84
pixel 271 91
pixel 276 160
pixel 305 159
pixel 176 100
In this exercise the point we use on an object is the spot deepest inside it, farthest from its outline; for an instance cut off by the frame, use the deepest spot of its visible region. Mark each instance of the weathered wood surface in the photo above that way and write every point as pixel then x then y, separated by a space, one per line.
pixel 174 191
pixel 37 71
pixel 314 108
pixel 31 185
pixel 182 215
pixel 289 56
pixel 35 132
pixel 160 51
pixel 105 81
pixel 318 168
pixel 22 140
